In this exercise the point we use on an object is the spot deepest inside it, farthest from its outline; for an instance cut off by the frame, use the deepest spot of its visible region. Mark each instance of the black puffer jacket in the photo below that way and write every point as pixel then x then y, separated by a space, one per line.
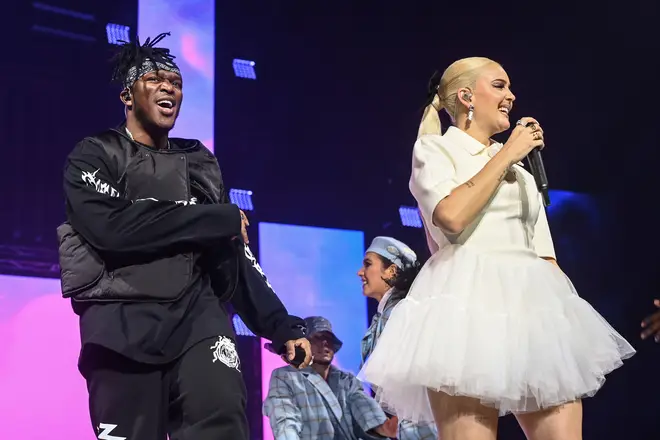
pixel 137 227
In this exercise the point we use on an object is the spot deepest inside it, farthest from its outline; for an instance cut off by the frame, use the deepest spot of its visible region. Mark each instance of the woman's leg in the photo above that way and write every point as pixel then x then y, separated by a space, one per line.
pixel 462 418
pixel 560 423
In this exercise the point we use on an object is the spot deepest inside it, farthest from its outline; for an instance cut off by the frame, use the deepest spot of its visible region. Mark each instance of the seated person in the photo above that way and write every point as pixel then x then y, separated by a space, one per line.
pixel 322 402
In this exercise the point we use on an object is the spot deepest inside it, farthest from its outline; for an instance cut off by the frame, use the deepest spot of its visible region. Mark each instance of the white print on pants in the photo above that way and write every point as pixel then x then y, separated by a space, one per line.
pixel 224 351
pixel 105 429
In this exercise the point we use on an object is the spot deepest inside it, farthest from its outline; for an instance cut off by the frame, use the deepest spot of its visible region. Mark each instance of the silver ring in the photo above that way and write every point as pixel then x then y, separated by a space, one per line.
pixel 520 122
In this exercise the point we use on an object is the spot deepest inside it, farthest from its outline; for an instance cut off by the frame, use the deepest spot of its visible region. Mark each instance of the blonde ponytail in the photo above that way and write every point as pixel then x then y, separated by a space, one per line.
pixel 461 73
pixel 431 118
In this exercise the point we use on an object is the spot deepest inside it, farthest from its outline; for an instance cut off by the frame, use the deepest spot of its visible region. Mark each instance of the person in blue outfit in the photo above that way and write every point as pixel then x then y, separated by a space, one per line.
pixel 388 270
pixel 322 402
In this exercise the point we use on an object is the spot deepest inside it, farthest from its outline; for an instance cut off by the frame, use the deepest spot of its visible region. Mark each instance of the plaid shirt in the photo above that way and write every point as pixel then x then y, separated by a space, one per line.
pixel 407 429
pixel 303 406
pixel 377 325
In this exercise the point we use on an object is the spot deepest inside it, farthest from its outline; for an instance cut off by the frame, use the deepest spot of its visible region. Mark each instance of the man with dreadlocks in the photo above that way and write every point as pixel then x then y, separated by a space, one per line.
pixel 151 251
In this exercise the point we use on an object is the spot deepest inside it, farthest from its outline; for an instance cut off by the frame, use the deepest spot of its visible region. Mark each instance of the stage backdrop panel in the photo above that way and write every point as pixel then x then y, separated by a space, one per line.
pixel 314 272
pixel 192 24
pixel 43 395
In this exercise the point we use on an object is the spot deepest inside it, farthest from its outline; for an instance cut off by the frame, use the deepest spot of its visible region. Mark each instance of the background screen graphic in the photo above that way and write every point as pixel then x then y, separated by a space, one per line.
pixel 192 24
pixel 43 394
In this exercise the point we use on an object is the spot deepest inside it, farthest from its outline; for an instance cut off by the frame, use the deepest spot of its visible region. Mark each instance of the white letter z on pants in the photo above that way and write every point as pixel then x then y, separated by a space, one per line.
pixel 104 432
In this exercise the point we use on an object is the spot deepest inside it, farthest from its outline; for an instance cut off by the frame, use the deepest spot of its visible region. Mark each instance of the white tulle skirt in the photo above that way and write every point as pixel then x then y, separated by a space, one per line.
pixel 507 328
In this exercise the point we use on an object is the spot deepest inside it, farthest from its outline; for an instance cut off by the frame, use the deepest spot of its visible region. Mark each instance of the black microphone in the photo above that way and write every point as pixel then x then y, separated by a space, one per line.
pixel 298 359
pixel 538 171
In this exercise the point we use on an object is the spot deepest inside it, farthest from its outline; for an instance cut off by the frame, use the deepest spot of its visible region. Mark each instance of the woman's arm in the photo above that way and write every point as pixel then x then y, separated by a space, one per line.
pixel 452 205
pixel 456 211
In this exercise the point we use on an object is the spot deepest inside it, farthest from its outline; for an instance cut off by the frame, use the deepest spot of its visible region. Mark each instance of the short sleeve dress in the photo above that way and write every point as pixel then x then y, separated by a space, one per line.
pixel 487 317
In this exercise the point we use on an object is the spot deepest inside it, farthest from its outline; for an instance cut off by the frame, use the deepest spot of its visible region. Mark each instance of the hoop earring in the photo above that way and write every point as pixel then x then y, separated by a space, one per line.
pixel 470 115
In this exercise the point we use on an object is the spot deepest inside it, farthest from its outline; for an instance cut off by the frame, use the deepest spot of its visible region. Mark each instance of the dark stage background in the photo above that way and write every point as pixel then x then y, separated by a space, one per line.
pixel 324 136
pixel 55 91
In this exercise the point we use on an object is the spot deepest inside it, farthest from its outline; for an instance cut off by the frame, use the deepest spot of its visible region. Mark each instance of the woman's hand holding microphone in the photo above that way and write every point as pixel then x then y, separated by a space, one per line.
pixel 526 136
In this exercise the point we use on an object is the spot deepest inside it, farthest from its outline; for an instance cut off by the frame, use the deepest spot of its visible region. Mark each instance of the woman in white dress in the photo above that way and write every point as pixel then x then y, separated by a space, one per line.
pixel 491 325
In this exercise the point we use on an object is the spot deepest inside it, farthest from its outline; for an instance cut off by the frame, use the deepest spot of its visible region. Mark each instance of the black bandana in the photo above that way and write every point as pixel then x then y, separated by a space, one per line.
pixel 133 60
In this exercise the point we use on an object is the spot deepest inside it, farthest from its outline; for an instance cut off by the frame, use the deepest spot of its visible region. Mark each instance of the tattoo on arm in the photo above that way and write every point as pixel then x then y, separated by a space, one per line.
pixel 469 183
pixel 506 171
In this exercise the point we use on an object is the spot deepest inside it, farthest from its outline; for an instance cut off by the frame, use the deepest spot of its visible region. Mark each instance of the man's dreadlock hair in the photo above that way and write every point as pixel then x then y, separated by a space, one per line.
pixel 133 60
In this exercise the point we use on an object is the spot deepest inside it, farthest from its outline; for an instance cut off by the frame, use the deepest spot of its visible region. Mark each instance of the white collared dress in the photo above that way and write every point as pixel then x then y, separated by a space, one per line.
pixel 487 317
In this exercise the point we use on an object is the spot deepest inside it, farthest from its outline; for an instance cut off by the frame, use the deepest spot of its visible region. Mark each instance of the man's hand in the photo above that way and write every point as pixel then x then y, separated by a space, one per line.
pixel 651 324
pixel 244 224
pixel 291 351
pixel 389 428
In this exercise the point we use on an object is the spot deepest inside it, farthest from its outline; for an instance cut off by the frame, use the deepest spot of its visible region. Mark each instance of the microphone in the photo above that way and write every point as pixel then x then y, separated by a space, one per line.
pixel 296 361
pixel 538 171
pixel 299 357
